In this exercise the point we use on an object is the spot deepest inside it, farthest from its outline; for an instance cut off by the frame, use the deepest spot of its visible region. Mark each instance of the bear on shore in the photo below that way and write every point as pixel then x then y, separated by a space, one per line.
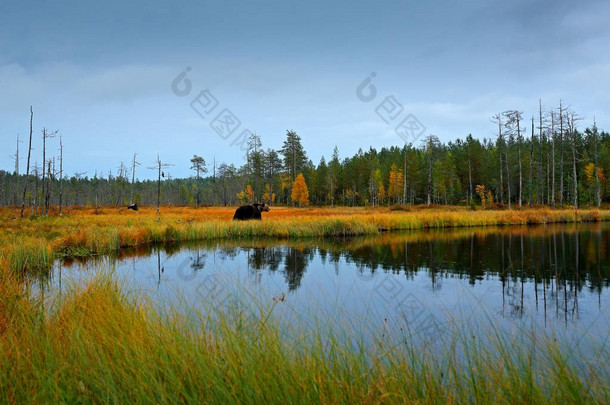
pixel 253 211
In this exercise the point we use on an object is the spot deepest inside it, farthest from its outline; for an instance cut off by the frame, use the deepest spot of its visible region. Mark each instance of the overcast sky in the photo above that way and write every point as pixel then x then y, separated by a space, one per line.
pixel 101 73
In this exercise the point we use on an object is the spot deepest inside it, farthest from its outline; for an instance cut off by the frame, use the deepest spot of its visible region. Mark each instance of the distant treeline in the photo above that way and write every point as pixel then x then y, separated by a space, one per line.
pixel 545 160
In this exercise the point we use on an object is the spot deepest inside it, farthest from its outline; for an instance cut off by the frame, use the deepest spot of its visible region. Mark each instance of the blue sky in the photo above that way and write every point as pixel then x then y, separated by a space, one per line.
pixel 101 72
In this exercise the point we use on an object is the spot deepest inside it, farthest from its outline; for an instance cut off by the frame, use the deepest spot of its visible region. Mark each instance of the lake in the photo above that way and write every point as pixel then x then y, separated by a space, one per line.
pixel 551 279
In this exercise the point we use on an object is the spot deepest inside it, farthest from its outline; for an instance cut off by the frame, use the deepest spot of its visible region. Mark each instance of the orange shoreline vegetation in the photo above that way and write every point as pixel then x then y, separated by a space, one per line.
pixel 34 242
pixel 394 239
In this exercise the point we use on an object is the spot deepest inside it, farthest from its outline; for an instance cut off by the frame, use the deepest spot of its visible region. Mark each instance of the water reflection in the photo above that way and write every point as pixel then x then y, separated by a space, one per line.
pixel 556 258
pixel 558 271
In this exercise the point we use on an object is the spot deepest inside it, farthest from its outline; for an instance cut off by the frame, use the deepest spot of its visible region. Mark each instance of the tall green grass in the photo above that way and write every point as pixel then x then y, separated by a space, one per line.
pixel 99 344
pixel 34 257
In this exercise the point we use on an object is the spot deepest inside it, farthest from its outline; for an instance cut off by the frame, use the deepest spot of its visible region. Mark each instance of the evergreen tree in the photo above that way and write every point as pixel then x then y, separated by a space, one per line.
pixel 321 184
pixel 198 164
pixel 294 156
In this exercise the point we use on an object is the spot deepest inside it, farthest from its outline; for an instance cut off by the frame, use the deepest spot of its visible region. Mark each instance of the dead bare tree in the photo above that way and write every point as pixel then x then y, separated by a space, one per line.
pixel 47 188
pixel 16 184
pixel 27 170
pixel 133 177
pixel 36 171
pixel 404 177
pixel 158 166
pixel 61 174
pixel 571 121
pixel 45 192
pixel 508 170
pixel 44 161
pixel 541 142
pixel 553 136
pixel 497 119
pixel 561 117
pixel 17 157
pixel 121 181
pixel 530 191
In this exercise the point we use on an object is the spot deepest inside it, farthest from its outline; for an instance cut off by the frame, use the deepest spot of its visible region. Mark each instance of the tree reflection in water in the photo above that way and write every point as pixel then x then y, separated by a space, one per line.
pixel 556 264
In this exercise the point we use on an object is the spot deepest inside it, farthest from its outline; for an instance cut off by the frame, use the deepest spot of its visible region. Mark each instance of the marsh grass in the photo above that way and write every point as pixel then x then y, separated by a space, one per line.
pixel 32 243
pixel 99 343
pixel 34 257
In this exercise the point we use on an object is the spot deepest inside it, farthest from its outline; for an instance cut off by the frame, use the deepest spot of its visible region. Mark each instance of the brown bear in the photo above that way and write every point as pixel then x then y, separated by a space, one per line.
pixel 253 211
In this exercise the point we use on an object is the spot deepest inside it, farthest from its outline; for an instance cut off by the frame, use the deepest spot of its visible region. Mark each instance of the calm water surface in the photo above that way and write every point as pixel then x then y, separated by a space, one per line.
pixel 553 279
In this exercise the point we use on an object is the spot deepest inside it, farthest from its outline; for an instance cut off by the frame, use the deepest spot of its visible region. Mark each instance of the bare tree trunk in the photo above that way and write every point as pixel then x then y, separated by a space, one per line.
pixel 498 119
pixel 508 177
pixel 199 191
pixel 548 181
pixel 404 178
pixel 501 180
pixel 430 178
pixel 27 170
pixel 36 195
pixel 158 167
pixel 47 194
pixel 572 129
pixel 469 176
pixel 553 158
pixel 45 180
pixel 133 177
pixel 574 173
pixel 530 194
pixel 96 194
pixel 520 163
pixel 159 185
pixel 540 163
pixel 16 185
pixel 561 154
pixel 61 173
pixel 44 163
pixel 17 157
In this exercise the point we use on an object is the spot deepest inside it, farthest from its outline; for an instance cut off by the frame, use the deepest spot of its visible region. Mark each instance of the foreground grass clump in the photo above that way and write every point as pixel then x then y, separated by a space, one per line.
pixel 33 243
pixel 98 344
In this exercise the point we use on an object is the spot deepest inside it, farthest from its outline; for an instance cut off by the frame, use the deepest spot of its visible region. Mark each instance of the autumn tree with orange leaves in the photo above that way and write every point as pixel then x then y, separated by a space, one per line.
pixel 268 195
pixel 395 184
pixel 246 196
pixel 300 193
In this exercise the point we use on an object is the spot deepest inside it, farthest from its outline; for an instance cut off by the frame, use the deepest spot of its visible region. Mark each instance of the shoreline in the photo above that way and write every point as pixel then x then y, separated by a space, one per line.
pixel 32 244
